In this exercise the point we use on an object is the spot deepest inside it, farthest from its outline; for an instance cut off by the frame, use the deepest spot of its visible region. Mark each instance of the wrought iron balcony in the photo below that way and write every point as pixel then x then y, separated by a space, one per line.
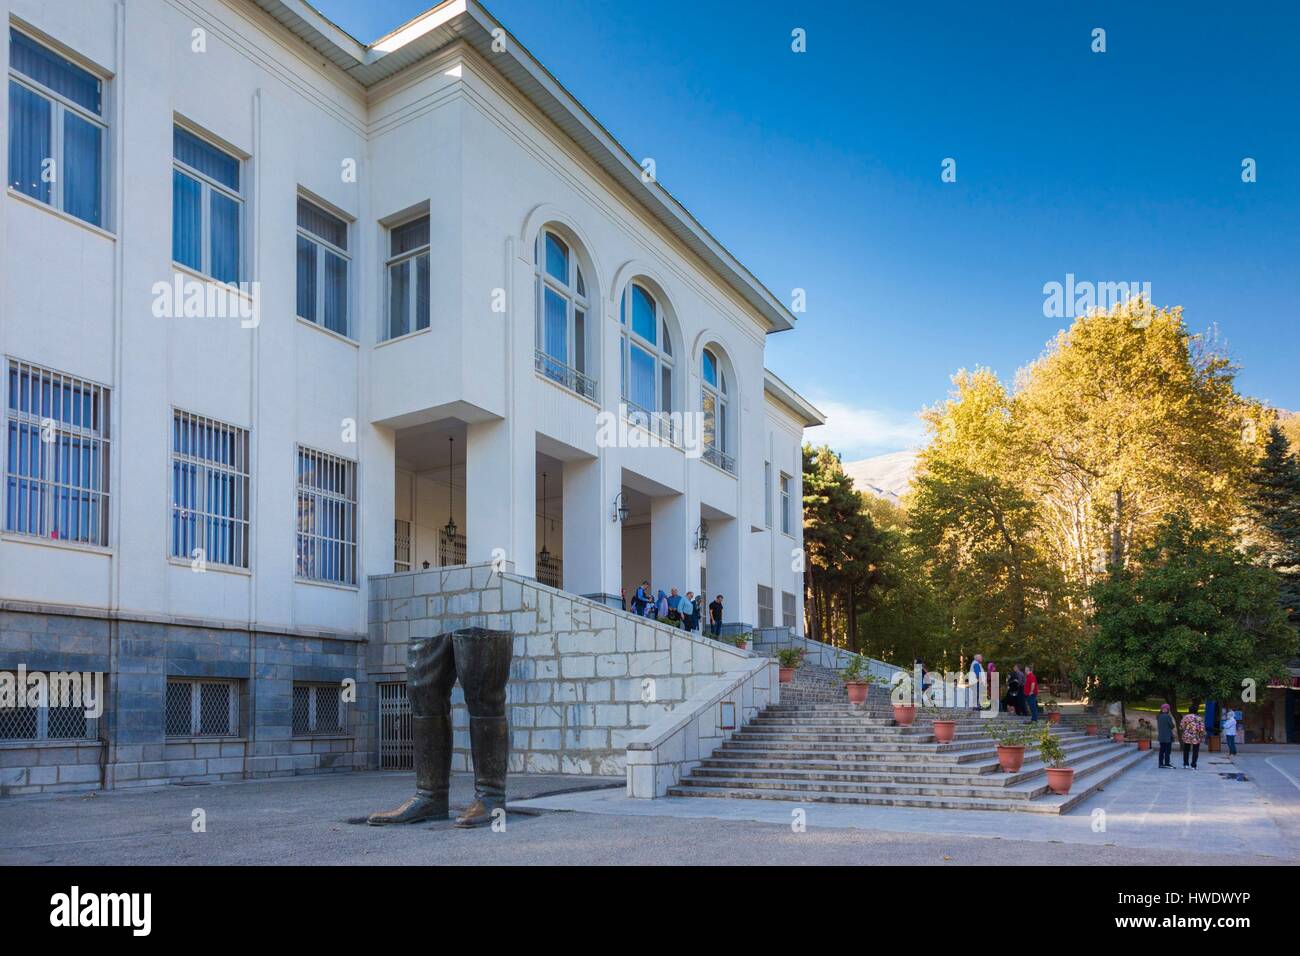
pixel 718 458
pixel 562 374
pixel 660 424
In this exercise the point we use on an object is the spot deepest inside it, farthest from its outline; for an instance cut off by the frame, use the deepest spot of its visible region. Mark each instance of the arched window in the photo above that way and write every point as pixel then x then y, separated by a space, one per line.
pixel 561 347
pixel 715 403
pixel 647 352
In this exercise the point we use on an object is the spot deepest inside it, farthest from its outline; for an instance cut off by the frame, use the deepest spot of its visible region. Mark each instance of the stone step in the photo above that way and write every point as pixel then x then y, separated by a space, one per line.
pixel 929 752
pixel 1087 780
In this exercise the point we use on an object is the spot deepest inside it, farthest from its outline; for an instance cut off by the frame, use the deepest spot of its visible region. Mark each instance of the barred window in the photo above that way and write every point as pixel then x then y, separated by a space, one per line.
pixel 41 721
pixel 401 545
pixel 209 490
pixel 56 456
pixel 764 606
pixel 317 709
pixel 787 609
pixel 202 708
pixel 327 517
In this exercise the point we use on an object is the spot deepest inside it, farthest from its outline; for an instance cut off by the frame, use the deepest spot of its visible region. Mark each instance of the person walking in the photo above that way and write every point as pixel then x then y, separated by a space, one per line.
pixel 977 678
pixel 715 616
pixel 1230 730
pixel 640 599
pixel 1165 733
pixel 1191 731
pixel 1031 693
pixel 1015 681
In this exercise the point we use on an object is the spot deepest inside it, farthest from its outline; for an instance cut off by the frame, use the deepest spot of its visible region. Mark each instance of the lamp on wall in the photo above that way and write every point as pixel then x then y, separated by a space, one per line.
pixel 544 556
pixel 620 508
pixel 450 529
pixel 702 536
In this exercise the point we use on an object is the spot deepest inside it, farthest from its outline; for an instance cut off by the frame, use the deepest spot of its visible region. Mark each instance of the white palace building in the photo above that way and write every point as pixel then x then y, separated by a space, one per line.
pixel 312 347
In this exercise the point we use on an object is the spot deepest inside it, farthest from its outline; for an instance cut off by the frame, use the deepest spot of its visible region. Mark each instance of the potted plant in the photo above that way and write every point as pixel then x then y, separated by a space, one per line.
pixel 1011 739
pixel 1144 735
pixel 1053 709
pixel 1059 777
pixel 1117 734
pixel 857 678
pixel 789 659
pixel 1091 729
pixel 741 641
pixel 904 704
pixel 945 728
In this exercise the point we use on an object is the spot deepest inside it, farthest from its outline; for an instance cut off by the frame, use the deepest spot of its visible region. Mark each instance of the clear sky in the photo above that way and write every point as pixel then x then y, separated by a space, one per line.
pixel 821 170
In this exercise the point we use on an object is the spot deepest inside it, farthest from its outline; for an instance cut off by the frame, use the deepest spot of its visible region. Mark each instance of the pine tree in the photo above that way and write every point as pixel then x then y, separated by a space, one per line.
pixel 1274 506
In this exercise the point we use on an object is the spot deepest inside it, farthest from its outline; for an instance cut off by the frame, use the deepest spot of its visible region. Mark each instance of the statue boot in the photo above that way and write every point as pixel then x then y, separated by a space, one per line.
pixel 489 739
pixel 483 667
pixel 432 752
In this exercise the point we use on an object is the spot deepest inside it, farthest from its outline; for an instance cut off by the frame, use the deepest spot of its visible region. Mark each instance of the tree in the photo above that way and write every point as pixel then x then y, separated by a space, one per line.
pixel 1191 617
pixel 1274 507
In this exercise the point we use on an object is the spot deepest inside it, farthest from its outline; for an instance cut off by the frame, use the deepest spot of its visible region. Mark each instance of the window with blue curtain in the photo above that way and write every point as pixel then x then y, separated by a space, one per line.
pixel 408 278
pixel 322 267
pixel 56 130
pixel 327 518
pixel 210 483
pixel 647 351
pixel 207 207
pixel 562 315
pixel 56 461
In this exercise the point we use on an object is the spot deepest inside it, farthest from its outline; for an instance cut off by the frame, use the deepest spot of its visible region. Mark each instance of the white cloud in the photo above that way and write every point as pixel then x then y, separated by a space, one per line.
pixel 863 432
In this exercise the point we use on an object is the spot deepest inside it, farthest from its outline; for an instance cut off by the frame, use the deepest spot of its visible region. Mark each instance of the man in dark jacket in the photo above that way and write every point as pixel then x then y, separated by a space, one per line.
pixel 715 616
pixel 1165 734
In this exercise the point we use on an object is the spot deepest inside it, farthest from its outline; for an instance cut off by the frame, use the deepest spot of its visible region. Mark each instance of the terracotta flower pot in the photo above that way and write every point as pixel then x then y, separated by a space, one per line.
pixel 857 691
pixel 1060 779
pixel 1144 745
pixel 1118 738
pixel 742 646
pixel 904 714
pixel 1053 716
pixel 787 674
pixel 1213 742
pixel 1010 757
pixel 1092 730
pixel 945 730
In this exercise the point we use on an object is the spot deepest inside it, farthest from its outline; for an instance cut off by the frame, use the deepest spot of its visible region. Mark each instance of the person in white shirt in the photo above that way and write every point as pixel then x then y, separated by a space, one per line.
pixel 1230 729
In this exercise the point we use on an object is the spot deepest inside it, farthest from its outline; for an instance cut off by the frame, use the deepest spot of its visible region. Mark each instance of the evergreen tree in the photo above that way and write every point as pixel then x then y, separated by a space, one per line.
pixel 1274 506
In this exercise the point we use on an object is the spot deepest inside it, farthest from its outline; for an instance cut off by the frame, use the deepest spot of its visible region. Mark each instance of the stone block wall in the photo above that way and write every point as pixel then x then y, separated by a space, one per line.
pixel 585 680
pixel 138 657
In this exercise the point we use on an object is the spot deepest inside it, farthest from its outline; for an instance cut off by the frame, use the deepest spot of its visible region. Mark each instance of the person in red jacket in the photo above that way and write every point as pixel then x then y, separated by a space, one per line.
pixel 1031 693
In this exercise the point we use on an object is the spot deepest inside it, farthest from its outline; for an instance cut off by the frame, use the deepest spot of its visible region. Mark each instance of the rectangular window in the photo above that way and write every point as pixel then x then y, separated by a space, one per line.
pixel 408 278
pixel 767 494
pixel 209 490
pixel 40 721
pixel 317 709
pixel 56 130
pixel 785 503
pixel 327 517
pixel 201 708
pixel 787 610
pixel 207 207
pixel 764 606
pixel 401 545
pixel 56 456
pixel 323 263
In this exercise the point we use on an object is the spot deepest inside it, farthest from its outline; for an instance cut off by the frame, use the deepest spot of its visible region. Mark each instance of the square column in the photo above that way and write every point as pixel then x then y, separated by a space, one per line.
pixel 670 545
pixel 500 495
pixel 724 572
pixel 593 554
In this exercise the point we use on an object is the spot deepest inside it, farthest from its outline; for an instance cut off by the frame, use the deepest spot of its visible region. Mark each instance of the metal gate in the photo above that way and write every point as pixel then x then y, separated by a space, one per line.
pixel 394 727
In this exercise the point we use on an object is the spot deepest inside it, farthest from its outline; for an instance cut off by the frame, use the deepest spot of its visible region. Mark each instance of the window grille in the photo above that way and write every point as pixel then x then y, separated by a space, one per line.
pixel 43 722
pixel 394 727
pixel 451 552
pixel 201 708
pixel 56 456
pixel 317 709
pixel 209 490
pixel 327 517
pixel 764 606
pixel 401 545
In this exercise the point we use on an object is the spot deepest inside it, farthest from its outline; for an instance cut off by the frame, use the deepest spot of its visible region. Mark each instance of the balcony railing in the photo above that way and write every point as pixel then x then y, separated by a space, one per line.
pixel 451 551
pixel 660 424
pixel 570 378
pixel 551 573
pixel 718 458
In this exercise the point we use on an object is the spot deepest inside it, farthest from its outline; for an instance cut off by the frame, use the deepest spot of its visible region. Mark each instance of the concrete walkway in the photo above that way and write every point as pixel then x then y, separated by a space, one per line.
pixel 1202 811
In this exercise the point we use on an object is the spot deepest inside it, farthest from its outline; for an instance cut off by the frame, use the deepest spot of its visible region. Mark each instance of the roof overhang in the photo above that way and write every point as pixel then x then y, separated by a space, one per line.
pixel 469 21
pixel 803 409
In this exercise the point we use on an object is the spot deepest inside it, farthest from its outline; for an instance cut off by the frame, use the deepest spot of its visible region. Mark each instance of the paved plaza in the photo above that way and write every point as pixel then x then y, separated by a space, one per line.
pixel 1151 817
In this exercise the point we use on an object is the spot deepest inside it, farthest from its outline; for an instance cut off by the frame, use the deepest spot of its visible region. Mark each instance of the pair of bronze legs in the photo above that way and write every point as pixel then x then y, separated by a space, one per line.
pixel 481 660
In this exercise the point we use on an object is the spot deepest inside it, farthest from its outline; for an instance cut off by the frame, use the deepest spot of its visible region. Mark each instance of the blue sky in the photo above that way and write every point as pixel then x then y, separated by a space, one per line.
pixel 821 170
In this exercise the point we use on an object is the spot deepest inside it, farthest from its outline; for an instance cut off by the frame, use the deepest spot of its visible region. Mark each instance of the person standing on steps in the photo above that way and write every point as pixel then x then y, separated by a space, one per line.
pixel 976 679
pixel 1031 693
pixel 1230 730
pixel 715 616
pixel 1165 733
pixel 1191 732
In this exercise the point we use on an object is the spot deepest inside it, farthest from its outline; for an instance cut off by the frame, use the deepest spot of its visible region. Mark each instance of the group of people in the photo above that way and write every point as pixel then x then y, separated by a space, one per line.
pixel 1021 695
pixel 1190 733
pixel 684 612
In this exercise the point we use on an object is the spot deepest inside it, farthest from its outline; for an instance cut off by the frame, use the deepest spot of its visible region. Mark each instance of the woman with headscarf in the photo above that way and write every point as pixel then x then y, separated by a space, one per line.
pixel 1165 733
pixel 661 606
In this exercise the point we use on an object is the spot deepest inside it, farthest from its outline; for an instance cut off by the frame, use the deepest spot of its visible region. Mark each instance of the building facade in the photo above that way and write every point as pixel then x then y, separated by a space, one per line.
pixel 281 313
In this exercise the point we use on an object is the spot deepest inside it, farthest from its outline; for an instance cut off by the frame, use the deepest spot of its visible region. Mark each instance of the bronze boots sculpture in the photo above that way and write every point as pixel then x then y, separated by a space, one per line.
pixel 480 658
